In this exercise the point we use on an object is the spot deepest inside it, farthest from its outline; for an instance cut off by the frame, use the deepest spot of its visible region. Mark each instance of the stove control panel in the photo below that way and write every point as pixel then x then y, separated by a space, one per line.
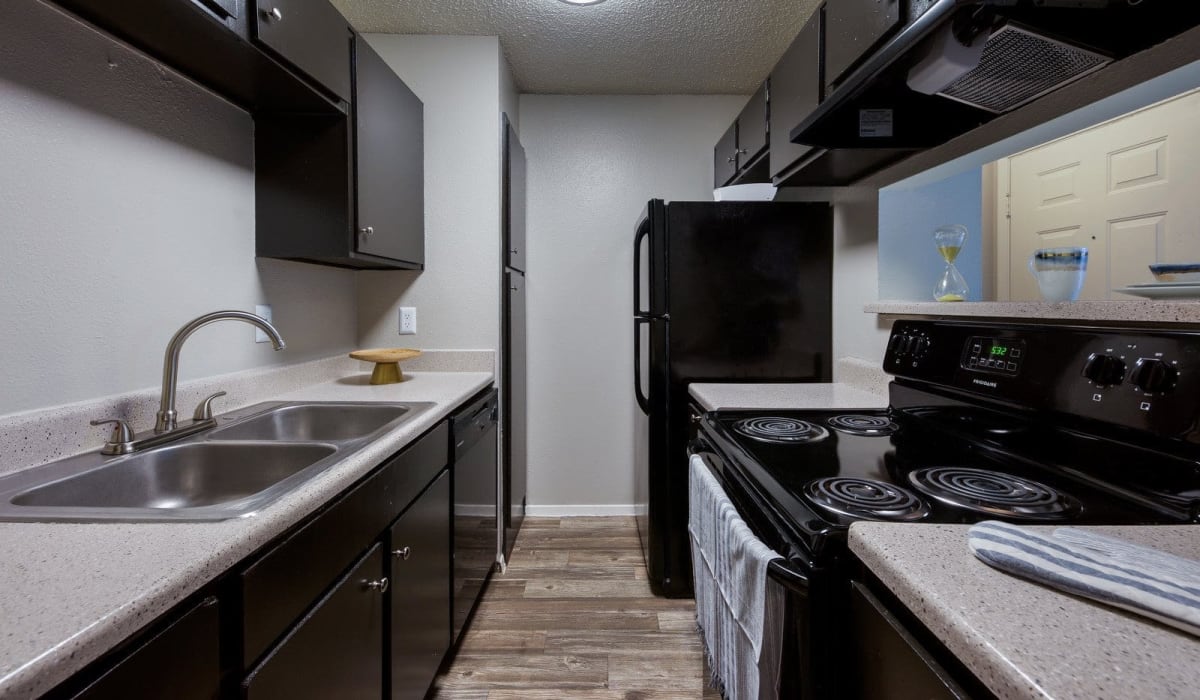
pixel 1147 379
pixel 994 355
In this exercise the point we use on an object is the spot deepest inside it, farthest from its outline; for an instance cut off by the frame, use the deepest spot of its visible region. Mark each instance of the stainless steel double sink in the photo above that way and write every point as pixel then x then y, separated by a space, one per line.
pixel 253 457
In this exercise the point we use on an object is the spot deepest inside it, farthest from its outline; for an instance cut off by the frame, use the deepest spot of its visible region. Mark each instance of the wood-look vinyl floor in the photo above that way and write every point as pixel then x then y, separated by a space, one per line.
pixel 573 617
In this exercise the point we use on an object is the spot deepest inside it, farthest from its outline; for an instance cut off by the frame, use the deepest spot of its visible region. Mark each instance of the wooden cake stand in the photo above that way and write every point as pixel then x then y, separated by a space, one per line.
pixel 387 363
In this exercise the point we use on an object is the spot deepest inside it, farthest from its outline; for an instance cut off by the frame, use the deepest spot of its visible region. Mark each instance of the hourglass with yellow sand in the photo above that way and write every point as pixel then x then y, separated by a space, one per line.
pixel 949 241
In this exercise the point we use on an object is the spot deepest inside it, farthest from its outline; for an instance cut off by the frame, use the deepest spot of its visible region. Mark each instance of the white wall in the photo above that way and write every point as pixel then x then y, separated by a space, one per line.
pixel 458 295
pixel 594 162
pixel 126 209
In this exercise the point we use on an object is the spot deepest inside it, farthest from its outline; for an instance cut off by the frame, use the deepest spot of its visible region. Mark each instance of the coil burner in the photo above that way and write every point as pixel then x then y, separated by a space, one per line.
pixel 780 431
pixel 866 499
pixel 994 493
pixel 870 426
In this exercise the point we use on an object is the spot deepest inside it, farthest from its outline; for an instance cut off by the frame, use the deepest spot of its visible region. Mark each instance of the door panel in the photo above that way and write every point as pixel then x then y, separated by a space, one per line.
pixel 515 199
pixel 725 160
pixel 1124 189
pixel 389 145
pixel 420 574
pixel 337 651
pixel 852 28
pixel 311 35
pixel 752 127
pixel 515 410
pixel 795 93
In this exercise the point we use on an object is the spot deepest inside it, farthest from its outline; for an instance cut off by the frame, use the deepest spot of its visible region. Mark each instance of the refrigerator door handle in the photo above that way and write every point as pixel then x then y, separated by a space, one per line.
pixel 642 400
pixel 643 231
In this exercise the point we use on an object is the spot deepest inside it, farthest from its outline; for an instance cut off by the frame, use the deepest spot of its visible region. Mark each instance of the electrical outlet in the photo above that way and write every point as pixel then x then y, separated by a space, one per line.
pixel 263 310
pixel 408 320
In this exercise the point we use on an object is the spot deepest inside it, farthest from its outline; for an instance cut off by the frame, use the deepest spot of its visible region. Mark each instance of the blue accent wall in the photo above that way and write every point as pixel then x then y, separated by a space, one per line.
pixel 909 264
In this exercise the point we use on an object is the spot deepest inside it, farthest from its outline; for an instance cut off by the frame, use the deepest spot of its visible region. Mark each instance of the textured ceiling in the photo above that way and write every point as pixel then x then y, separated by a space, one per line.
pixel 616 47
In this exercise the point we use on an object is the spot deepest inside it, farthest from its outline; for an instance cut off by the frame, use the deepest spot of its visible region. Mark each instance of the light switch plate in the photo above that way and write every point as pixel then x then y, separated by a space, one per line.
pixel 408 320
pixel 263 310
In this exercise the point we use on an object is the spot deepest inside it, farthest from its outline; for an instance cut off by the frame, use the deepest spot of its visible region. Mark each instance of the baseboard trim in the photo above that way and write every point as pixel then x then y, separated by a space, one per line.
pixel 581 511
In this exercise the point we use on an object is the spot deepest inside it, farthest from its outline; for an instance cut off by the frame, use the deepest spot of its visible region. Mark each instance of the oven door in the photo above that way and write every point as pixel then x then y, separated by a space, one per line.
pixel 806 669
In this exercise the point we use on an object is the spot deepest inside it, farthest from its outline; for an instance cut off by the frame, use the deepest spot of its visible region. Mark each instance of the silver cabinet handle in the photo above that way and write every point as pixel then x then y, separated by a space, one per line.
pixel 402 553
pixel 513 251
pixel 731 159
pixel 367 231
pixel 204 410
pixel 381 585
pixel 273 14
pixel 740 152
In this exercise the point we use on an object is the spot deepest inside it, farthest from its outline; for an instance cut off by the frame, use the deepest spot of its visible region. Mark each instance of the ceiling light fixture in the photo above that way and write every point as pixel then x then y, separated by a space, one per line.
pixel 582 3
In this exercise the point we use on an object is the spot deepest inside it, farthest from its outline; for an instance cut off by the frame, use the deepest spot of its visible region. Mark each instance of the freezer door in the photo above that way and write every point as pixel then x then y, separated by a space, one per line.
pixel 751 290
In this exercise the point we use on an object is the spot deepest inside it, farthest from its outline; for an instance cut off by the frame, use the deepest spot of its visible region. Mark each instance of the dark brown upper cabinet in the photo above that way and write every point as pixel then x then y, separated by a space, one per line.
pixel 514 198
pixel 346 191
pixel 852 29
pixel 209 41
pixel 795 92
pixel 310 35
pixel 725 157
pixel 740 155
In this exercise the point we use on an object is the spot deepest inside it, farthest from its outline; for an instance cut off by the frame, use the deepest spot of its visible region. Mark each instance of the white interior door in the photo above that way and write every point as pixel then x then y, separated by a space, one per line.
pixel 1128 190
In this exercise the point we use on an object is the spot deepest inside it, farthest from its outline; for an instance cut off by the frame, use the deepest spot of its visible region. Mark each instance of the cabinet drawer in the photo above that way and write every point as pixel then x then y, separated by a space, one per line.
pixel 309 34
pixel 337 651
pixel 279 587
pixel 183 661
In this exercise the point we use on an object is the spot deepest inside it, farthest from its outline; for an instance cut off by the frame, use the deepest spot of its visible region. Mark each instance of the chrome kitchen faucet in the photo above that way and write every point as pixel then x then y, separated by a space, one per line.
pixel 166 427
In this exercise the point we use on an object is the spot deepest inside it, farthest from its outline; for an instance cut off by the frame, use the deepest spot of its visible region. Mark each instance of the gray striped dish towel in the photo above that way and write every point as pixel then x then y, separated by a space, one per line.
pixel 1115 572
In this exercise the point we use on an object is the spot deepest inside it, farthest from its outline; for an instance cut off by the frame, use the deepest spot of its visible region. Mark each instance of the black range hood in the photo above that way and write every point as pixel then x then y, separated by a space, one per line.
pixel 941 68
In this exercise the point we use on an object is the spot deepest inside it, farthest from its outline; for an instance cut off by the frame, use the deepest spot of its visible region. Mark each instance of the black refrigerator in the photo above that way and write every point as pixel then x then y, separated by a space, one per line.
pixel 723 292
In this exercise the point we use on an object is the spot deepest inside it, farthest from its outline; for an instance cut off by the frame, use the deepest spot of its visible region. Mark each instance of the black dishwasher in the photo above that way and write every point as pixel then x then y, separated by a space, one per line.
pixel 475 477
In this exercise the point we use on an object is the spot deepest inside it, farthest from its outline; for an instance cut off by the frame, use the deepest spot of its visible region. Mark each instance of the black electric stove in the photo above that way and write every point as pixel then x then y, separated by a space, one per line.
pixel 1026 424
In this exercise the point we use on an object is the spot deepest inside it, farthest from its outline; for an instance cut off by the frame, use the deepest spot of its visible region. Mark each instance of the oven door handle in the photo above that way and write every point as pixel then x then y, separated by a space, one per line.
pixel 788 576
pixel 780 570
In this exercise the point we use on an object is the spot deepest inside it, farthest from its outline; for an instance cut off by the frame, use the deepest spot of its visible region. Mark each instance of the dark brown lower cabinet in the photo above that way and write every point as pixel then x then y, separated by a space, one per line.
pixel 337 650
pixel 181 662
pixel 420 574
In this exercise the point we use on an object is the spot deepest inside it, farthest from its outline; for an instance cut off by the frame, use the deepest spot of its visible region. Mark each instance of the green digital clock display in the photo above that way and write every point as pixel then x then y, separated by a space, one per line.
pixel 999 351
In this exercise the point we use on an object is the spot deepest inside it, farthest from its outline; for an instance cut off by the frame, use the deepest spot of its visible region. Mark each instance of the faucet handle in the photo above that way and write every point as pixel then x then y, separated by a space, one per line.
pixel 120 441
pixel 204 410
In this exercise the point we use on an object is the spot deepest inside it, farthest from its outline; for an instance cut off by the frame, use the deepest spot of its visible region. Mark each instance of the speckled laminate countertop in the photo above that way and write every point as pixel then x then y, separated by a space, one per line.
pixel 1024 640
pixel 713 397
pixel 70 592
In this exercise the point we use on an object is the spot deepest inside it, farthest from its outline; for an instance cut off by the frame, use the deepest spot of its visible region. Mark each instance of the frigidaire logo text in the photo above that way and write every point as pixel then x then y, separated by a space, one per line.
pixel 984 382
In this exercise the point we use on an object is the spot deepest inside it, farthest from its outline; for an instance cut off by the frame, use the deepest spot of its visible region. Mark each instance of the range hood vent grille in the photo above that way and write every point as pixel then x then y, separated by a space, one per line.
pixel 1019 66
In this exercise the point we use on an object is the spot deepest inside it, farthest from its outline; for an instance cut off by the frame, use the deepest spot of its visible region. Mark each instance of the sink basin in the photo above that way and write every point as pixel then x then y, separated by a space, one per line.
pixel 332 422
pixel 182 476
pixel 256 455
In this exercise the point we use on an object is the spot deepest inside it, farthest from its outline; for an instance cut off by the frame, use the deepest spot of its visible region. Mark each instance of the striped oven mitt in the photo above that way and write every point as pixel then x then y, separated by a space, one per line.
pixel 1115 572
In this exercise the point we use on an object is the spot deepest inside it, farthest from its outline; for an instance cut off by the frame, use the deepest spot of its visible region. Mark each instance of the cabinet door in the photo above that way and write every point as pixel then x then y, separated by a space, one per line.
pixel 337 650
pixel 390 160
pixel 515 408
pixel 752 127
pixel 311 35
pixel 183 661
pixel 420 573
pixel 852 28
pixel 515 200
pixel 725 161
pixel 795 93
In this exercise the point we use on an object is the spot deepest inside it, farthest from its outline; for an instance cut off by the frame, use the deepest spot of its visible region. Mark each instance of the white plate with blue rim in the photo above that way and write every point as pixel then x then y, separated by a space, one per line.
pixel 1163 290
